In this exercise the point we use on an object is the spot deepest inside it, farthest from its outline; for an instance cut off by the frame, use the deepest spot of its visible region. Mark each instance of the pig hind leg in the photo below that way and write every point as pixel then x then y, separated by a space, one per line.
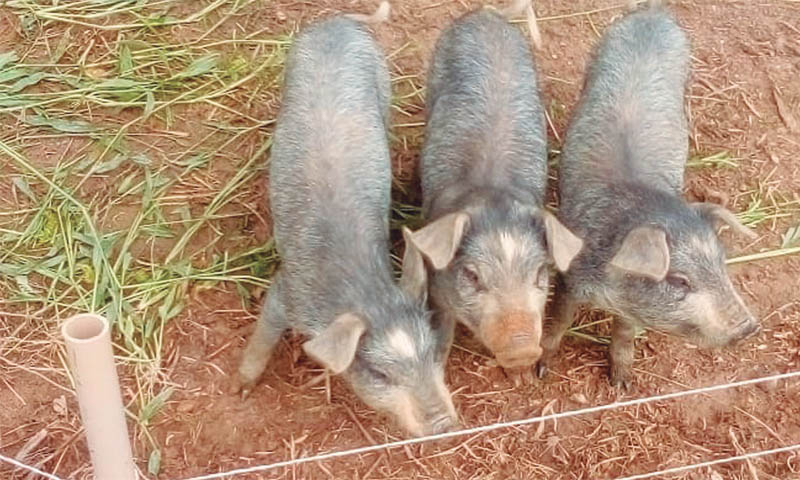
pixel 269 329
pixel 564 307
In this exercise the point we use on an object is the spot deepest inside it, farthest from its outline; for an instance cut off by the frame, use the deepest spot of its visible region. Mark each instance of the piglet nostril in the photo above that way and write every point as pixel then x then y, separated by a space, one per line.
pixel 519 357
pixel 746 329
pixel 521 338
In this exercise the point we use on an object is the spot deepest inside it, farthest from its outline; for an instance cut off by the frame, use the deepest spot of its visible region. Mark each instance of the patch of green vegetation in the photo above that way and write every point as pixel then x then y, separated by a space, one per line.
pixel 406 215
pixel 105 99
pixel 765 205
pixel 721 159
pixel 791 238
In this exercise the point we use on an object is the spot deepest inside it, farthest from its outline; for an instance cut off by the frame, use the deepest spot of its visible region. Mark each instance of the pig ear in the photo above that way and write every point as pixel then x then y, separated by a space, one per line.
pixel 335 347
pixel 438 243
pixel 718 213
pixel 644 252
pixel 562 245
pixel 415 278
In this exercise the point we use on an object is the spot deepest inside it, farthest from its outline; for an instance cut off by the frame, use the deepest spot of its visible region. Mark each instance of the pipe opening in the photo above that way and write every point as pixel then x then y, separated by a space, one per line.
pixel 84 327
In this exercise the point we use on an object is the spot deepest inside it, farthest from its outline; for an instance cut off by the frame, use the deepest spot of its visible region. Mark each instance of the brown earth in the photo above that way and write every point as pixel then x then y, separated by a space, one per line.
pixel 745 54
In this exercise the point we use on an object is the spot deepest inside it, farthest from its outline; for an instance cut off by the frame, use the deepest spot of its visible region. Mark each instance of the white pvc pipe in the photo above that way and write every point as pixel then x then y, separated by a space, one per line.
pixel 91 359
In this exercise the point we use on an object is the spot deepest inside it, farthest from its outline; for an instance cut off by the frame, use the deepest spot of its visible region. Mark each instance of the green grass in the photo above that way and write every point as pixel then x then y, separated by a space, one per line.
pixel 791 238
pixel 126 107
pixel 588 331
pixel 404 214
pixel 721 159
pixel 765 205
pixel 110 15
pixel 408 103
pixel 61 262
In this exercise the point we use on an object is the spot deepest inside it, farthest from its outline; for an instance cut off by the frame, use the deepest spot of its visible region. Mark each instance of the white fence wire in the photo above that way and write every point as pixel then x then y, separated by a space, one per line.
pixel 501 425
pixel 745 456
pixel 27 467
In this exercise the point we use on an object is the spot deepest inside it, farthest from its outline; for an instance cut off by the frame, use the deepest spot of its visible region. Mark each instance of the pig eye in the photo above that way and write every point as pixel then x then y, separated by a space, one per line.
pixel 542 277
pixel 679 282
pixel 378 375
pixel 371 371
pixel 472 277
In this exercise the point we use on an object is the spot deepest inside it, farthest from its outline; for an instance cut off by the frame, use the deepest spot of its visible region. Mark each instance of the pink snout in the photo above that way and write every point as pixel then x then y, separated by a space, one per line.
pixel 514 339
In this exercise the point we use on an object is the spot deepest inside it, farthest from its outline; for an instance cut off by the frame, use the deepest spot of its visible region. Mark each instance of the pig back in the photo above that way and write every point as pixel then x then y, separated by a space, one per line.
pixel 330 172
pixel 485 119
pixel 630 124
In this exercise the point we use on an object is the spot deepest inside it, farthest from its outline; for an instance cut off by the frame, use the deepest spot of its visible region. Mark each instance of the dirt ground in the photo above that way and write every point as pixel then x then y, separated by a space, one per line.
pixel 746 61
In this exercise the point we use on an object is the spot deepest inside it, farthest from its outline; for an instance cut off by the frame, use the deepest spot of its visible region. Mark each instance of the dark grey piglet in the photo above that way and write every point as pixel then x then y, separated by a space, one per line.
pixel 651 258
pixel 330 178
pixel 486 253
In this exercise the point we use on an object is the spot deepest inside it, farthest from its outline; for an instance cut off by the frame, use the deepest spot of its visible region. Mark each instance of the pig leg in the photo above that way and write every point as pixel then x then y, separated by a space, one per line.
pixel 620 354
pixel 445 326
pixel 564 307
pixel 520 375
pixel 269 329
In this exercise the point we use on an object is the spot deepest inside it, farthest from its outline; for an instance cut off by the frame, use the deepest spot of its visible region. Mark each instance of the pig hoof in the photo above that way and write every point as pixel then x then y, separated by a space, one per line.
pixel 245 393
pixel 541 369
pixel 242 388
pixel 527 376
pixel 621 380
pixel 520 376
pixel 515 377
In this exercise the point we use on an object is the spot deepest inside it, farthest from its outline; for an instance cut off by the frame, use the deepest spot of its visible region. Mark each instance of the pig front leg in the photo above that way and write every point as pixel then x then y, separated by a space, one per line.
pixel 564 307
pixel 620 353
pixel 269 329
